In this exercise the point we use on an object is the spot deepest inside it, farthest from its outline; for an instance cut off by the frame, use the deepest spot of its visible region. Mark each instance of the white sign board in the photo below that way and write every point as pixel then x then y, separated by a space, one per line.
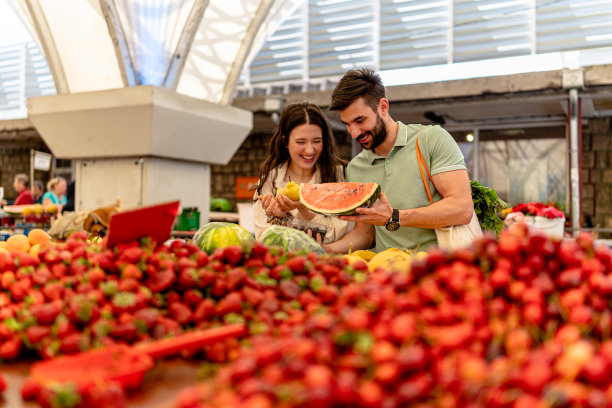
pixel 42 161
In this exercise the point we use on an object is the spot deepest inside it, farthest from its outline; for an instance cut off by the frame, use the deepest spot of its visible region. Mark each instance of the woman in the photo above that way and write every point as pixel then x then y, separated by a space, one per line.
pixel 56 193
pixel 302 150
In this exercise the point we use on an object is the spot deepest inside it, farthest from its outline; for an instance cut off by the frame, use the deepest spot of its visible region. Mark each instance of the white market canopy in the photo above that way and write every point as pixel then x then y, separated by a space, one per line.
pixel 196 47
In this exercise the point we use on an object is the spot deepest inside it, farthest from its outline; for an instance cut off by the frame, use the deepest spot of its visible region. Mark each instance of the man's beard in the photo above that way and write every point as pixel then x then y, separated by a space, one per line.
pixel 379 133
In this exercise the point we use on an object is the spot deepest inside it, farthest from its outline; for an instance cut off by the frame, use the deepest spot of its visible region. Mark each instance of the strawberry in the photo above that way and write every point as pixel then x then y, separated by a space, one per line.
pixel 161 280
pixel 132 254
pixel 78 266
pixel 232 303
pixel 36 333
pixel 236 278
pixel 53 290
pixel 288 289
pixel 252 296
pixel 10 348
pixel 59 270
pixel 233 254
pixel 24 260
pixel 82 310
pixel 188 278
pixel 30 389
pixel 105 395
pixel 184 263
pixel 192 297
pixel 148 316
pixel 164 327
pixel 180 313
pixel 125 302
pixel 204 310
pixel 7 279
pixel 131 271
pixel 41 275
pixel 297 264
pixel 127 331
pixel 45 313
pixel 6 261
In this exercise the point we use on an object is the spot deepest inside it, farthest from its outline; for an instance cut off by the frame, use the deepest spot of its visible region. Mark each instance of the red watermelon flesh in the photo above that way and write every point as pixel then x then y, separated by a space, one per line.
pixel 338 198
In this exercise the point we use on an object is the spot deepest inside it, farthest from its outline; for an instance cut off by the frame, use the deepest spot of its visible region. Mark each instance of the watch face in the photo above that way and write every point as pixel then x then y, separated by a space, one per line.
pixel 392 225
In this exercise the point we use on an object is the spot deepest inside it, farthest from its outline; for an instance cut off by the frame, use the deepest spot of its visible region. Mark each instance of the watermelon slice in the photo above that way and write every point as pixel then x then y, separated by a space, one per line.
pixel 338 198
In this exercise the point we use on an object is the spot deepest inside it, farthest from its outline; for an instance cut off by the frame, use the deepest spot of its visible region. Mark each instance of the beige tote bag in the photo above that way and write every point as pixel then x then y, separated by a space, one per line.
pixel 454 236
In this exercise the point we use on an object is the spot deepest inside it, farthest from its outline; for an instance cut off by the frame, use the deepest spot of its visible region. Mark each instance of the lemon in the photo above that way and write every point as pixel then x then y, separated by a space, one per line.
pixel 38 209
pixel 28 210
pixel 51 209
pixel 292 190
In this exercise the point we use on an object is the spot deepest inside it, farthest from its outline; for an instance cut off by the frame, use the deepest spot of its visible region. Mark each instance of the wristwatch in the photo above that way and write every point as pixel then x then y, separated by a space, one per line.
pixel 393 224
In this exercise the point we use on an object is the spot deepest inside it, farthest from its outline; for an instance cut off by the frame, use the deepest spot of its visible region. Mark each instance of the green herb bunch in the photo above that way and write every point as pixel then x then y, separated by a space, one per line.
pixel 486 205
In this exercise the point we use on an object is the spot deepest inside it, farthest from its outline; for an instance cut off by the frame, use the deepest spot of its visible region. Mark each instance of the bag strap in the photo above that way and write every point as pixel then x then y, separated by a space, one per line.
pixel 422 166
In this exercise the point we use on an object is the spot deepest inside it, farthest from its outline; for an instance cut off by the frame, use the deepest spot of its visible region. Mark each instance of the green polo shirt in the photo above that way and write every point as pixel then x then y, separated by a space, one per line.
pixel 400 179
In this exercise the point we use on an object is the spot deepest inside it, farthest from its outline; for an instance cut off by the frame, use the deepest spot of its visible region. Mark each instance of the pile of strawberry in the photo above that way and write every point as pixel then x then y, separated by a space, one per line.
pixel 519 321
pixel 77 295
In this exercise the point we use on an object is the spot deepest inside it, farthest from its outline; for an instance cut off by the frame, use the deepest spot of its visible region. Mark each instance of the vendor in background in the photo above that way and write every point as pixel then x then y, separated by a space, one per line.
pixel 24 195
pixel 56 193
pixel 302 150
pixel 38 190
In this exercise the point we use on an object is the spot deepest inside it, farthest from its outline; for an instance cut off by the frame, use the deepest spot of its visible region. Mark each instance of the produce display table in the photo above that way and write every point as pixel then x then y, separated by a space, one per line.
pixel 159 390
pixel 224 216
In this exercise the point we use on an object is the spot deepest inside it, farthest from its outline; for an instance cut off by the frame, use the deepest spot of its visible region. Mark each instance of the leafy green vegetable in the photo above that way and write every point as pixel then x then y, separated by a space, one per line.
pixel 486 206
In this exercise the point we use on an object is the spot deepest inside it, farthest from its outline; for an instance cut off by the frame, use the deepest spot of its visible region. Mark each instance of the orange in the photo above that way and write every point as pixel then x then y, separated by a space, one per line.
pixel 18 243
pixel 38 236
pixel 34 249
pixel 27 210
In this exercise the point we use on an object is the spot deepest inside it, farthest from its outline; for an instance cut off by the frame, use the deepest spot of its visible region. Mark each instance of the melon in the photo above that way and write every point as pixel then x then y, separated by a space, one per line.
pixel 221 234
pixel 392 259
pixel 338 198
pixel 220 204
pixel 289 239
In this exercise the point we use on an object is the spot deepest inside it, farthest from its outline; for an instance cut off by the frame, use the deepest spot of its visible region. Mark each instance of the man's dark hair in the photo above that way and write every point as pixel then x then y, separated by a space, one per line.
pixel 361 83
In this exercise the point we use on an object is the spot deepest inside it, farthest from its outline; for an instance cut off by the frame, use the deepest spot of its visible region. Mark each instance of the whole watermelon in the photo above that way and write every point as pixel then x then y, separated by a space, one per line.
pixel 290 239
pixel 221 234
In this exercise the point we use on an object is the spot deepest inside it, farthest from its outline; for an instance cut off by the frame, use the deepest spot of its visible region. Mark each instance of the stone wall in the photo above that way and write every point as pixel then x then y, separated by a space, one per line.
pixel 247 162
pixel 597 172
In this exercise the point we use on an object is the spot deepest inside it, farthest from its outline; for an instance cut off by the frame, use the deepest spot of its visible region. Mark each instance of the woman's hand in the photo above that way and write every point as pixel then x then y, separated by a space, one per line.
pixel 271 206
pixel 288 204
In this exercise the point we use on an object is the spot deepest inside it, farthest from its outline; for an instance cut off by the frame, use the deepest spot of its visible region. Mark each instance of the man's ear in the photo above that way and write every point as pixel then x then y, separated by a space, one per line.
pixel 383 106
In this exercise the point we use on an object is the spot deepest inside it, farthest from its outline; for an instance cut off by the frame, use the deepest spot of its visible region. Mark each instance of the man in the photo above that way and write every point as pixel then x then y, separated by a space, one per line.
pixel 24 195
pixel 403 216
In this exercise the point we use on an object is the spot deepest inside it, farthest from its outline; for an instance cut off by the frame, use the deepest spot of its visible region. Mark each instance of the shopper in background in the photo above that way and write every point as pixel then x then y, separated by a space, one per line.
pixel 403 216
pixel 302 150
pixel 21 185
pixel 56 193
pixel 38 190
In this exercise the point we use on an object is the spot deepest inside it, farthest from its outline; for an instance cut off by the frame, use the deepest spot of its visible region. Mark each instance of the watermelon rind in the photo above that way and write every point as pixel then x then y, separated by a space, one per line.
pixel 289 239
pixel 221 234
pixel 367 201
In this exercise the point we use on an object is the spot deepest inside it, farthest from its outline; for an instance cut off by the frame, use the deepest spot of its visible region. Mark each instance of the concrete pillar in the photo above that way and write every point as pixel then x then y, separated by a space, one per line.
pixel 142 144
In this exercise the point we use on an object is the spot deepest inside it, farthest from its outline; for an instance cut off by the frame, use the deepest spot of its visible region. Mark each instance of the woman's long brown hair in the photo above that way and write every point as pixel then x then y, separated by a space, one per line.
pixel 291 117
